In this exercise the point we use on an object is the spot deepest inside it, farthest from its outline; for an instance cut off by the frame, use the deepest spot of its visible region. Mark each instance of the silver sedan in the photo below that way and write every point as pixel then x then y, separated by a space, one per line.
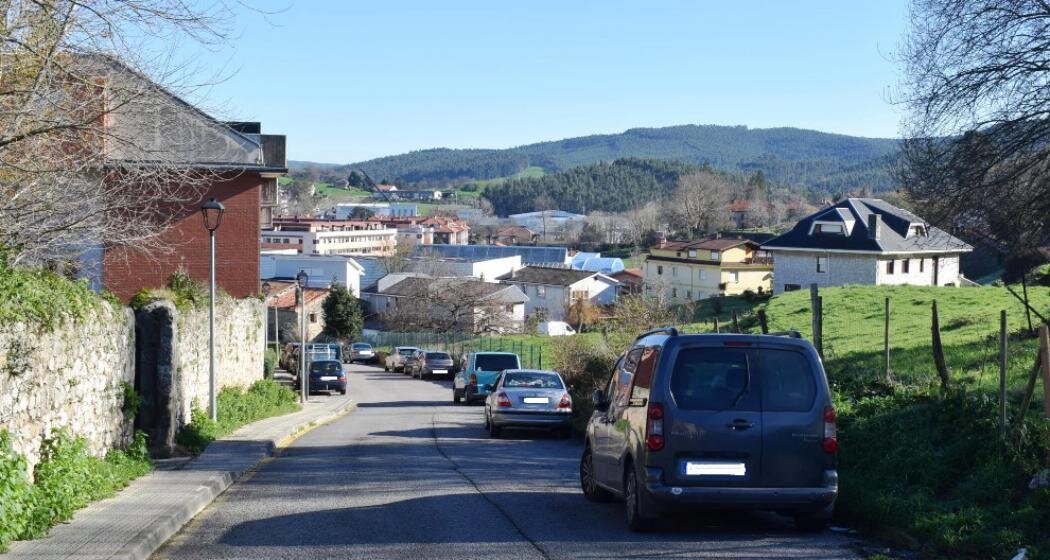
pixel 527 398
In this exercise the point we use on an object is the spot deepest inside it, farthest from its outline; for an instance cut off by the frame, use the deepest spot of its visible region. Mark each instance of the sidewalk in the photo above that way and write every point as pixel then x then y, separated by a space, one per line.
pixel 137 521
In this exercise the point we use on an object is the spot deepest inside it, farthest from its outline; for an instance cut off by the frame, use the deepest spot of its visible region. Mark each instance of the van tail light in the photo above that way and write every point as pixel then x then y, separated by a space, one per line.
pixel 831 440
pixel 654 427
pixel 565 401
pixel 503 400
pixel 474 380
pixel 342 377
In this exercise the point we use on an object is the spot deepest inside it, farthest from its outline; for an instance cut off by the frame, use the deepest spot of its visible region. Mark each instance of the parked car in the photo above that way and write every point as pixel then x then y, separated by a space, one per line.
pixel 425 363
pixel 714 421
pixel 477 372
pixel 361 352
pixel 395 361
pixel 327 375
pixel 526 398
pixel 555 328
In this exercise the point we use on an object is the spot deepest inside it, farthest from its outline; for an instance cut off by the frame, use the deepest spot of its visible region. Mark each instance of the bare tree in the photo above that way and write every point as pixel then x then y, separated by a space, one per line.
pixel 450 305
pixel 700 204
pixel 978 121
pixel 86 132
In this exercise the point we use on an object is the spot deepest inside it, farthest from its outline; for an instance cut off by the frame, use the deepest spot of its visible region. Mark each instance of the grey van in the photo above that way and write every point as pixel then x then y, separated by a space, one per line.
pixel 712 421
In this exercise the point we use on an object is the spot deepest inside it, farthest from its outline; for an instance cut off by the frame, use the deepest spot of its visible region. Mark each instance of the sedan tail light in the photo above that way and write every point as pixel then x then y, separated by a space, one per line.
pixel 654 428
pixel 503 400
pixel 831 440
pixel 473 379
pixel 565 401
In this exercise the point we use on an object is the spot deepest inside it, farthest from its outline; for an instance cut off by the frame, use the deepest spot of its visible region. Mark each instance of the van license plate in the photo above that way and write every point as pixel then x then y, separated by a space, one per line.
pixel 439 371
pixel 709 468
pixel 536 400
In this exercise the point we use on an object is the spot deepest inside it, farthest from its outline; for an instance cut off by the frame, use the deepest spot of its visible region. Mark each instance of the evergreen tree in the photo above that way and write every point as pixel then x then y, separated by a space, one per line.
pixel 343 318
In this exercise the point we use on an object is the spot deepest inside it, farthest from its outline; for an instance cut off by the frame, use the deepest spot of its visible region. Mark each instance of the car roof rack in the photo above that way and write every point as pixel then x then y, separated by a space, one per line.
pixel 669 331
pixel 790 334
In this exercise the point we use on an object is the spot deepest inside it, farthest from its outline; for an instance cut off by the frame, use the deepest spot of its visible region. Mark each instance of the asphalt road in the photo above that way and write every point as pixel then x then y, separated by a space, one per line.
pixel 410 475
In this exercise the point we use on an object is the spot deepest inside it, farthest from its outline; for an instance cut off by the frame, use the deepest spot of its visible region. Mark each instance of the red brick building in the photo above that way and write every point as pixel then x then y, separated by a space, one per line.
pixel 243 164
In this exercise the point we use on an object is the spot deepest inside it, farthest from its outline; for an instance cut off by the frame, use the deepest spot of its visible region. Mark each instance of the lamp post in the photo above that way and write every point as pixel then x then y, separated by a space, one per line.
pixel 301 281
pixel 266 298
pixel 212 212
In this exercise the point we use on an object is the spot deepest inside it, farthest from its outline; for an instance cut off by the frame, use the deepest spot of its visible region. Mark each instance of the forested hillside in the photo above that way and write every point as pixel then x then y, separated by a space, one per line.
pixel 792 157
pixel 610 187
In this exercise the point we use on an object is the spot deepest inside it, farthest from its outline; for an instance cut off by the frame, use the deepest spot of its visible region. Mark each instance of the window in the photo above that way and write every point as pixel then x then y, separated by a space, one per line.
pixel 918 230
pixel 834 229
pixel 713 379
pixel 890 266
pixel 541 292
pixel 659 269
pixel 692 253
pixel 905 266
pixel 734 277
pixel 313 317
pixel 922 265
pixel 822 264
pixel 625 376
pixel 792 287
pixel 689 294
pixel 533 380
pixel 674 292
pixel 578 295
pixel 643 375
pixel 674 271
pixel 702 274
pixel 509 308
pixel 714 255
pixel 787 381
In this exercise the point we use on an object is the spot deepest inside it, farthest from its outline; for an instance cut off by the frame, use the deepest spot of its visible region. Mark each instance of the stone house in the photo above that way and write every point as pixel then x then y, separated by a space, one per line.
pixel 865 241
pixel 416 302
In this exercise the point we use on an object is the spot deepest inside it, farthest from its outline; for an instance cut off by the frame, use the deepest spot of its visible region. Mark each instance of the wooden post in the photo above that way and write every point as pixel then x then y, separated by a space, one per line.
pixel 1002 373
pixel 938 351
pixel 736 322
pixel 1044 354
pixel 1029 392
pixel 814 295
pixel 763 321
pixel 716 323
pixel 1027 308
pixel 819 336
pixel 886 343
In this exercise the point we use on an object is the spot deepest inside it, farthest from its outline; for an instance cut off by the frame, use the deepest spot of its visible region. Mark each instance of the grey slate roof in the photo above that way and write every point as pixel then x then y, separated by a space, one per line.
pixel 529 255
pixel 893 238
pixel 413 287
pixel 546 275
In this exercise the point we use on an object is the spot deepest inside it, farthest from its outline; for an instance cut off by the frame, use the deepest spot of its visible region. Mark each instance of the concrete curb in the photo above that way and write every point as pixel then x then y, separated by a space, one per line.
pixel 149 541
pixel 222 463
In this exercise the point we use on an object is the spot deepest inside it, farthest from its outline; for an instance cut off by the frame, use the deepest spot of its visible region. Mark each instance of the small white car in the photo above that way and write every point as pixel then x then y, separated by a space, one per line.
pixel 555 328
pixel 361 352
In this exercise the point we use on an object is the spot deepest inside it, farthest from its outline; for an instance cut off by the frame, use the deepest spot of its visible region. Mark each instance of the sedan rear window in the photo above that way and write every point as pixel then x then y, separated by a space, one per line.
pixel 362 346
pixel 713 379
pixel 406 351
pixel 438 356
pixel 532 381
pixel 326 367
pixel 495 362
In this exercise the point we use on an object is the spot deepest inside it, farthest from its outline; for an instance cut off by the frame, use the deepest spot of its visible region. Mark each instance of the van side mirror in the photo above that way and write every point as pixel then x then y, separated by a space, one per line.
pixel 599 401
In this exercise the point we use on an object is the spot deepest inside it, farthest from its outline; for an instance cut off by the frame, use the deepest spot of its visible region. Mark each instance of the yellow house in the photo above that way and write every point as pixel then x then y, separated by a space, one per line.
pixel 685 271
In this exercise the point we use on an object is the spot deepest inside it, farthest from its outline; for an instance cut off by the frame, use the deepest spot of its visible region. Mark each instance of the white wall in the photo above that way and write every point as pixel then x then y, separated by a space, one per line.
pixel 492 269
pixel 321 270
pixel 796 267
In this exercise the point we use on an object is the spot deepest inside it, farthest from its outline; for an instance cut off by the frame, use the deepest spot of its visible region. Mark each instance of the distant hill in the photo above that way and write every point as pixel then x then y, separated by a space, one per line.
pixel 803 159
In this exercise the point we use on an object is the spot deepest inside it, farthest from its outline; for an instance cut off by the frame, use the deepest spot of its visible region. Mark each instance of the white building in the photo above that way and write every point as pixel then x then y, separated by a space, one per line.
pixel 545 222
pixel 552 290
pixel 345 210
pixel 315 236
pixel 460 304
pixel 321 270
pixel 865 241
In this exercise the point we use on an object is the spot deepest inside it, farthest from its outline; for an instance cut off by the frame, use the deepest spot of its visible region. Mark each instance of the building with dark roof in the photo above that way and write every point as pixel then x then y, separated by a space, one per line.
pixel 552 290
pixel 865 241
pixel 690 270
pixel 410 302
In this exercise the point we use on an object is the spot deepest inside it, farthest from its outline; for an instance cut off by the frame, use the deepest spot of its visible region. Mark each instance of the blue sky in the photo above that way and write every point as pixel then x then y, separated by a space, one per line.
pixel 351 80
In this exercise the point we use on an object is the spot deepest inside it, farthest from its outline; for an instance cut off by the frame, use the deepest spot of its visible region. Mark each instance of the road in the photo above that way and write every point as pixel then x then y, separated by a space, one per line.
pixel 410 475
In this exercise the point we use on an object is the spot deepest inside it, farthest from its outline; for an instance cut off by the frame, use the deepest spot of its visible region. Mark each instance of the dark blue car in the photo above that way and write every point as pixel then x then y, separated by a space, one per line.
pixel 327 375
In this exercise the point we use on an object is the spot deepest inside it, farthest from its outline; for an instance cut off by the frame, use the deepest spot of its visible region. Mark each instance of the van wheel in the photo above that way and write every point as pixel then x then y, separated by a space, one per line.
pixel 815 521
pixel 637 519
pixel 588 482
pixel 386 368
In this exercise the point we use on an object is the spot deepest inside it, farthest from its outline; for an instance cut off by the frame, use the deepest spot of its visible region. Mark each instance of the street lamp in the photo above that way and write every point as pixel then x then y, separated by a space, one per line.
pixel 301 281
pixel 212 212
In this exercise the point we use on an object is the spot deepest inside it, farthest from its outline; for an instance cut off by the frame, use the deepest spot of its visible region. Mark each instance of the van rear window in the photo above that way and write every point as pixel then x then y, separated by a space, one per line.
pixel 713 379
pixel 788 383
pixel 495 362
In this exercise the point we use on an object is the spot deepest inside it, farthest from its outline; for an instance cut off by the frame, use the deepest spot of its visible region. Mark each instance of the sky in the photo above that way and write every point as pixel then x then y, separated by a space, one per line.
pixel 351 80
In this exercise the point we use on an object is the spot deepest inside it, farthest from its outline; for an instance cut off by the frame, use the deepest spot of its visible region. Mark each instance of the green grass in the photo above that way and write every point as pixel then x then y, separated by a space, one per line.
pixel 916 462
pixel 235 408
pixel 533 349
pixel 67 478
pixel 529 172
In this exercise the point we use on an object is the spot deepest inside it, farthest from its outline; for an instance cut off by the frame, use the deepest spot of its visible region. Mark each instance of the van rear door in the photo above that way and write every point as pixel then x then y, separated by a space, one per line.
pixel 713 419
pixel 794 394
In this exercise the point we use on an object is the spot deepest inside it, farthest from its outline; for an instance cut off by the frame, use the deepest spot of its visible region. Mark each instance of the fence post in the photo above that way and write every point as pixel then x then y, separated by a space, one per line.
pixel 886 343
pixel 763 322
pixel 1044 353
pixel 716 324
pixel 736 322
pixel 938 351
pixel 1027 309
pixel 1002 374
pixel 814 293
pixel 820 326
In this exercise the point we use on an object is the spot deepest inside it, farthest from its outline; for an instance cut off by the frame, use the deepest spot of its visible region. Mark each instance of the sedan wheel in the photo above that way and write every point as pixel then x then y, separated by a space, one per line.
pixel 455 396
pixel 588 482
pixel 494 430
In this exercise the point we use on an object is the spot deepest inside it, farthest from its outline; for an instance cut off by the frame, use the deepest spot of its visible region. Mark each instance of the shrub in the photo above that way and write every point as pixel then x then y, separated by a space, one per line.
pixel 132 402
pixel 235 408
pixel 585 366
pixel 269 363
pixel 67 479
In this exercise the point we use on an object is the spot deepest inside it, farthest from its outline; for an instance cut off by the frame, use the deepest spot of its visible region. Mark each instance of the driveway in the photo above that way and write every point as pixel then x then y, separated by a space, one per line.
pixel 410 475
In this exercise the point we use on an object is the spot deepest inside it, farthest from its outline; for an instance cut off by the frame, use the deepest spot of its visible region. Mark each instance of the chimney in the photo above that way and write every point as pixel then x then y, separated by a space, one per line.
pixel 874 226
pixel 718 235
pixel 661 240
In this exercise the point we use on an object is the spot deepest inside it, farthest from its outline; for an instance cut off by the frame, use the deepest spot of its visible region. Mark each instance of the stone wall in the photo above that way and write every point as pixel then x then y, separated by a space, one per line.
pixel 238 350
pixel 70 378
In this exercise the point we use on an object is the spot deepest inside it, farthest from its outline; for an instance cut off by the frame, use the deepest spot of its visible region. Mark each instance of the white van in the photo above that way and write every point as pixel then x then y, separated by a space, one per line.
pixel 555 328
